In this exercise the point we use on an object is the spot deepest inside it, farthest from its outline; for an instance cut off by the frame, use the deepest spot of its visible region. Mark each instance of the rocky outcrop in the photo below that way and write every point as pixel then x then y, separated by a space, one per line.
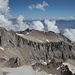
pixel 65 70
pixel 50 68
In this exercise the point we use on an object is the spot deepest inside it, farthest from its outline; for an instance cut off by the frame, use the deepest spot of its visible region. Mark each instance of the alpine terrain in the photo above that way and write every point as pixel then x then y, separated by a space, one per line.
pixel 34 52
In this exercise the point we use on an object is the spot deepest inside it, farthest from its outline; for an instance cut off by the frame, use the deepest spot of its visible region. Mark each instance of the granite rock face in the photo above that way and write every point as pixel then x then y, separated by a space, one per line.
pixel 32 46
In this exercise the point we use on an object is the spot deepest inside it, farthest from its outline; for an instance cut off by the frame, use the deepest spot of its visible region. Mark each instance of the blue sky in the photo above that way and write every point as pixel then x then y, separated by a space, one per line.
pixel 55 8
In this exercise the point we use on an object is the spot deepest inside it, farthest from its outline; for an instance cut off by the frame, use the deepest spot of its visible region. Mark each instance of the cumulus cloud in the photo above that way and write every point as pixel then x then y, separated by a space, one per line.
pixel 51 26
pixel 4 8
pixel 4 13
pixel 39 6
pixel 37 25
pixel 21 25
pixel 4 22
pixel 70 33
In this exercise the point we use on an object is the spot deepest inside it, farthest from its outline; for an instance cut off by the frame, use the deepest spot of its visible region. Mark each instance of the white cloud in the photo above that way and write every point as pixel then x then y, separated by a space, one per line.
pixel 70 33
pixel 39 6
pixel 37 25
pixel 4 22
pixel 21 25
pixel 4 8
pixel 51 26
pixel 20 19
pixel 4 15
pixel 31 7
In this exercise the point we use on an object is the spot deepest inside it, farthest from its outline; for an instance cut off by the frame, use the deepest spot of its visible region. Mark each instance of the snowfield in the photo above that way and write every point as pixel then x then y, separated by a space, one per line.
pixel 23 70
pixel 1 72
pixel 1 48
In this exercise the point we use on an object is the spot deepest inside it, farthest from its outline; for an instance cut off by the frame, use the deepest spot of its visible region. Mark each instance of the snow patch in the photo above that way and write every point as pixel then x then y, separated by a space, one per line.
pixel 27 33
pixel 47 40
pixel 50 74
pixel 1 48
pixel 49 60
pixel 37 69
pixel 58 68
pixel 40 40
pixel 44 63
pixel 19 34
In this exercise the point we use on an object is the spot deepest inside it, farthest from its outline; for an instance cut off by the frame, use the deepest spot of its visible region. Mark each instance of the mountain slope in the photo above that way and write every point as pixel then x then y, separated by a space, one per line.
pixel 31 46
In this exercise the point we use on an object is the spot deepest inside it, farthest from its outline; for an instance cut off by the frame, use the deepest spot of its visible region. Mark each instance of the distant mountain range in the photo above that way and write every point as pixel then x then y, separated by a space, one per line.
pixel 62 24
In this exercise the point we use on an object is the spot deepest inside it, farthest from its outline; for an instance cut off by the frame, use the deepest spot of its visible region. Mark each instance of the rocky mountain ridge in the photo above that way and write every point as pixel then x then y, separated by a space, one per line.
pixel 31 46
